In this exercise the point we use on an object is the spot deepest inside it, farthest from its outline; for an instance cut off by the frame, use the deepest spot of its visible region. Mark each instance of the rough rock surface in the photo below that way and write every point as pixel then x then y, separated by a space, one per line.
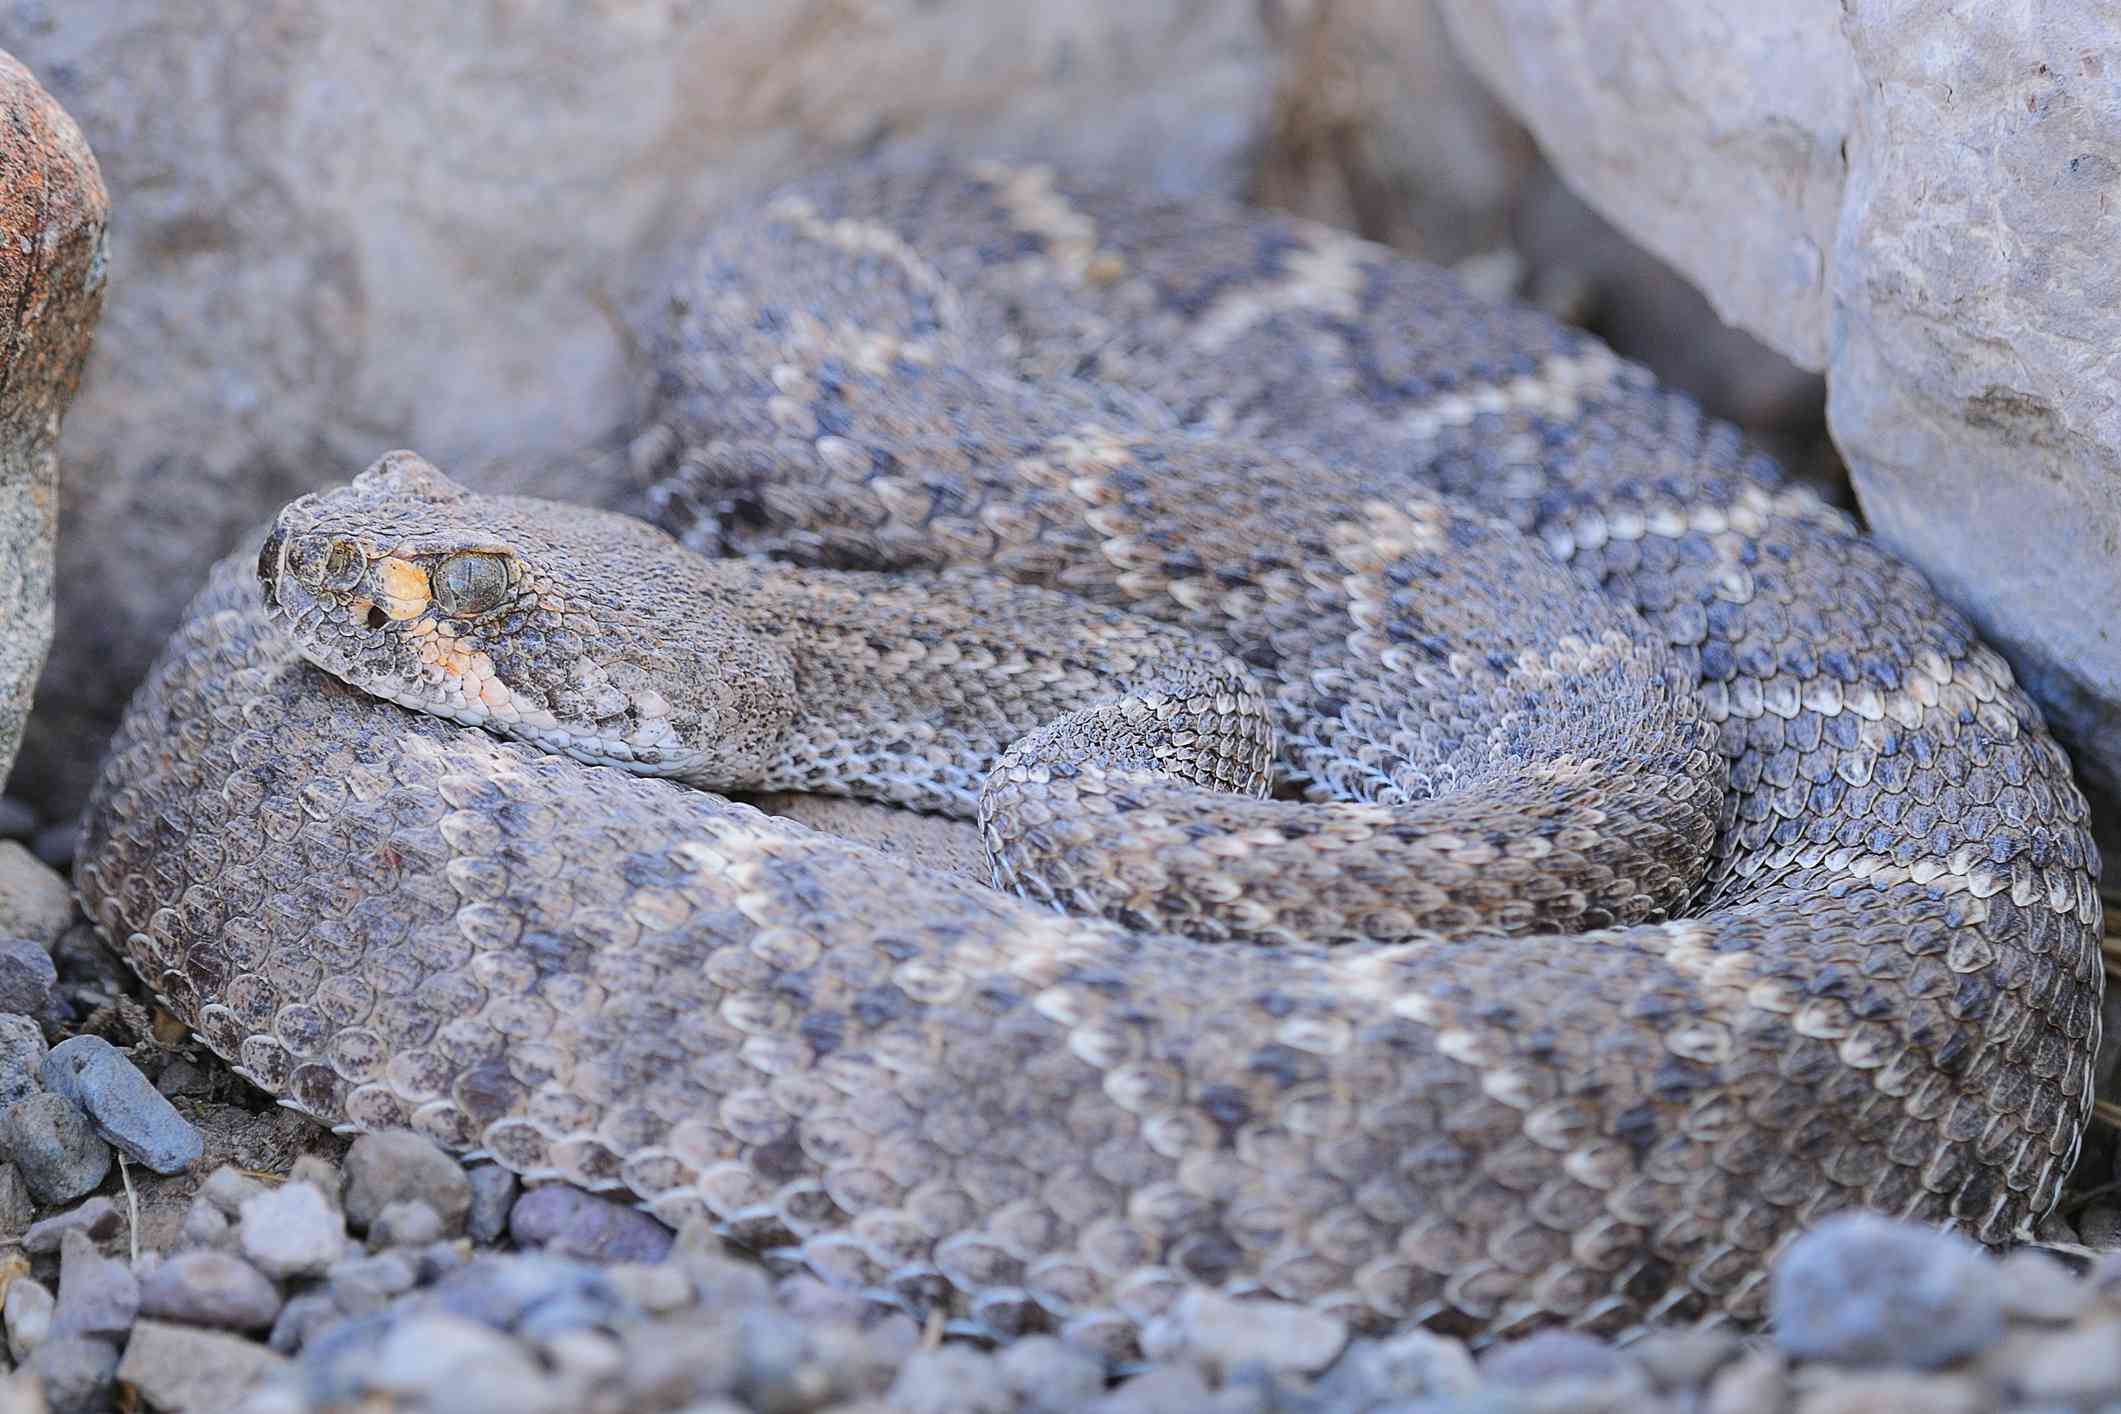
pixel 1920 200
pixel 52 214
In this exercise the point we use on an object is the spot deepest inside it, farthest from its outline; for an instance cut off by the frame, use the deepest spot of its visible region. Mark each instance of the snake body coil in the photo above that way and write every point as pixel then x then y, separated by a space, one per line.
pixel 1671 868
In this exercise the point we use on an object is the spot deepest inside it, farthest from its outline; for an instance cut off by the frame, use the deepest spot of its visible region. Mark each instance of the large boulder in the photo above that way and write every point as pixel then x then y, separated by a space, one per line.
pixel 52 214
pixel 1924 202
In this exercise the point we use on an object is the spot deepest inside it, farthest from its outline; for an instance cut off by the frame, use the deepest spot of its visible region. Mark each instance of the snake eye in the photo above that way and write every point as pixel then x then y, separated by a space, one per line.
pixel 470 583
pixel 342 567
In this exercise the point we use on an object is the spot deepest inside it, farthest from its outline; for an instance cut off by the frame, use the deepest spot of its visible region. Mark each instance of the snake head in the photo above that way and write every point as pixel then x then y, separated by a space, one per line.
pixel 582 632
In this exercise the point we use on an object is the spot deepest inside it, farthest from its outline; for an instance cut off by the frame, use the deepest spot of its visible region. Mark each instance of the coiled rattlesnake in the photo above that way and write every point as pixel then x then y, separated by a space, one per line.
pixel 1689 870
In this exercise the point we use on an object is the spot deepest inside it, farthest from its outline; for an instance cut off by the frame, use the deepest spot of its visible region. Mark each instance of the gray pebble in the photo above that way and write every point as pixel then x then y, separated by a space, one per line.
pixel 321 1174
pixel 1051 1376
pixel 503 1290
pixel 1754 1383
pixel 360 1285
pixel 1893 1391
pixel 493 1193
pixel 404 1224
pixel 438 1259
pixel 51 1142
pixel 98 1218
pixel 1551 1355
pixel 951 1379
pixel 76 1373
pixel 205 1226
pixel 228 1188
pixel 1167 1389
pixel 1227 1334
pixel 564 1220
pixel 1865 1290
pixel 209 1289
pixel 176 1367
pixel 461 1366
pixel 1685 1359
pixel 387 1272
pixel 35 901
pixel 2081 1366
pixel 291 1231
pixel 399 1166
pixel 655 1288
pixel 22 1052
pixel 130 1113
pixel 27 976
pixel 666 1364
pixel 98 1295
pixel 302 1317
pixel 723 1279
pixel 17 1208
pixel 28 1312
pixel 2037 1287
pixel 1414 1364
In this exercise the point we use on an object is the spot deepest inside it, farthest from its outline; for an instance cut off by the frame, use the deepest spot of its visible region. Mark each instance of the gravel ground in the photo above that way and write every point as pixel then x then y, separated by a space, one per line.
pixel 171 1240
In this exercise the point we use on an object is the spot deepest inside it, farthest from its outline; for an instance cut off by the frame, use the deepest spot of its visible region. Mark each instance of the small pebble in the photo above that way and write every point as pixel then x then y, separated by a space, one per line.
pixel 205 1226
pixel 51 1141
pixel 290 1231
pixel 951 1379
pixel 503 1291
pixel 404 1224
pixel 28 1312
pixel 177 1367
pixel 461 1366
pixel 2068 1367
pixel 27 976
pixel 655 1288
pixel 98 1218
pixel 98 1295
pixel 209 1289
pixel 1895 1392
pixel 1865 1290
pixel 129 1112
pixel 228 1188
pixel 302 1317
pixel 1755 1383
pixel 359 1285
pixel 1415 1364
pixel 1551 1355
pixel 76 1373
pixel 1050 1376
pixel 1166 1389
pixel 2034 1286
pixel 321 1174
pixel 22 1052
pixel 35 901
pixel 565 1221
pixel 493 1193
pixel 1226 1333
pixel 1685 1359
pixel 399 1166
